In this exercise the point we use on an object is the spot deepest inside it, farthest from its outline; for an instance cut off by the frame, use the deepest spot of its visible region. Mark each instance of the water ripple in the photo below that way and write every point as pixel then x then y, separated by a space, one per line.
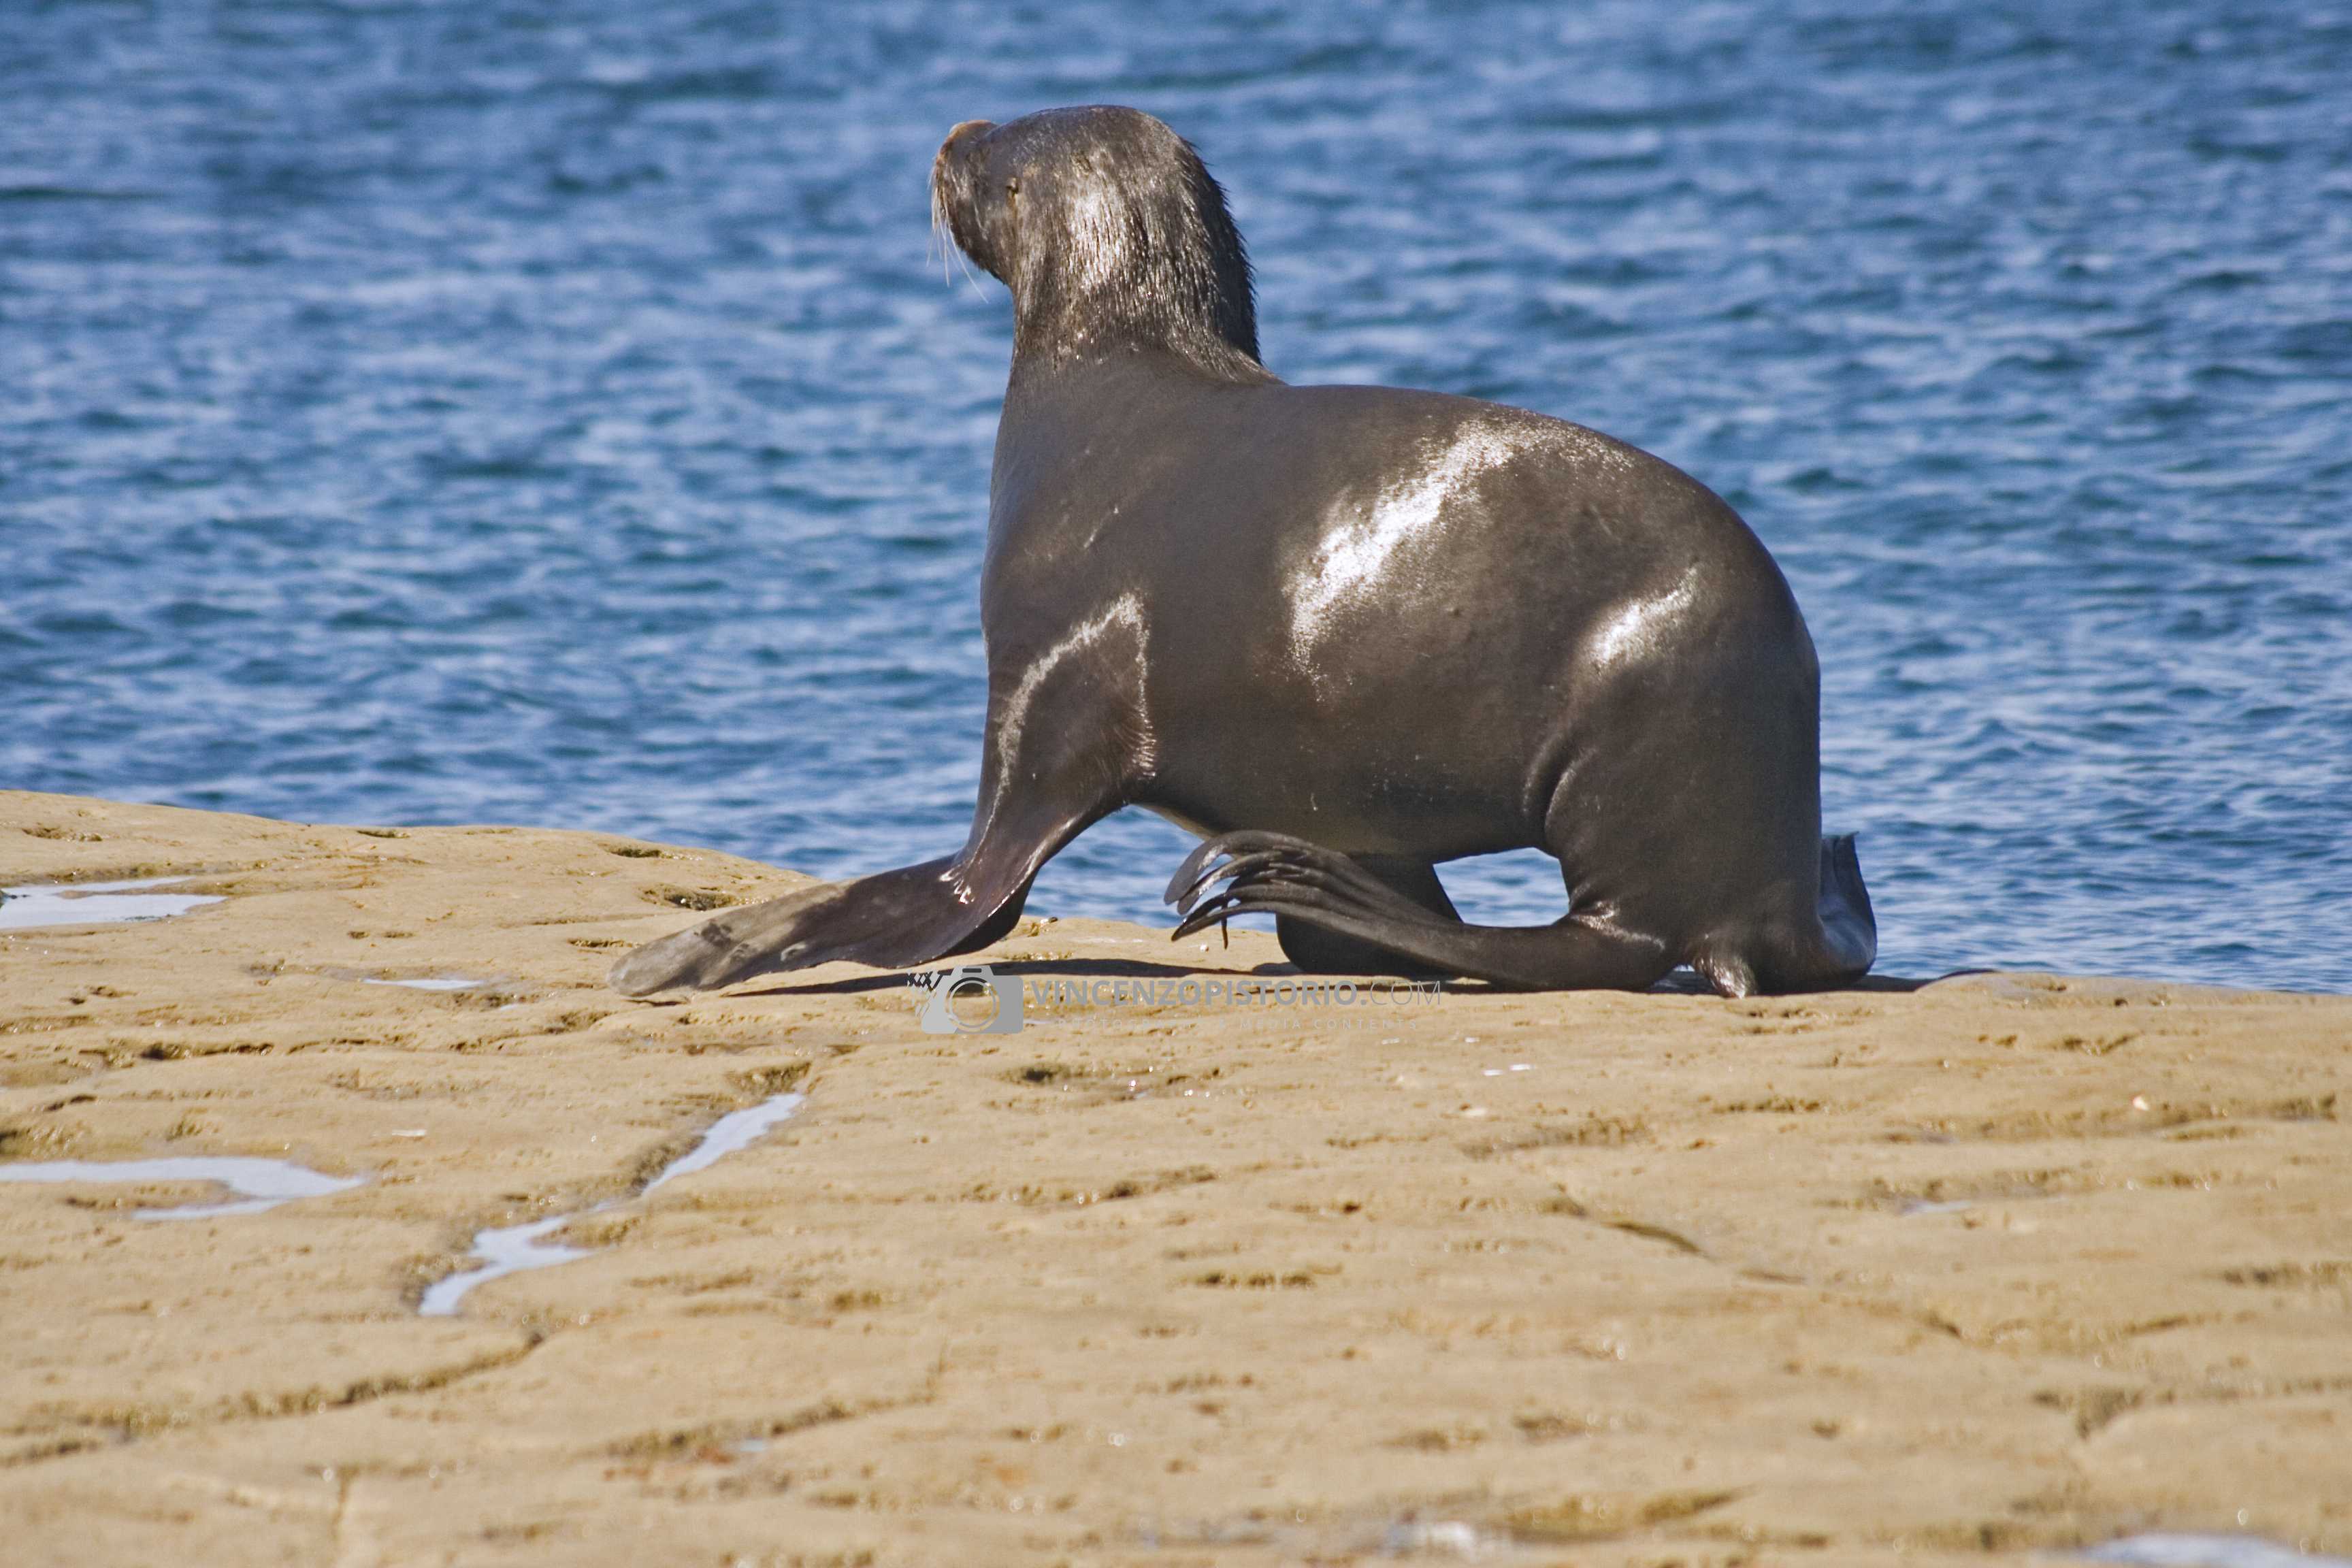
pixel 433 413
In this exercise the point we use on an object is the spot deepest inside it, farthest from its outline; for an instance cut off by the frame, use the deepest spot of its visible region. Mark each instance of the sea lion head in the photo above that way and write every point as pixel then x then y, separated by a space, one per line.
pixel 1110 231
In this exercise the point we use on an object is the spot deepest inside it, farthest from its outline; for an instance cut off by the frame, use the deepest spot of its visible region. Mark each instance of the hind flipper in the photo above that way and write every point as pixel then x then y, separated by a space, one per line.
pixel 1320 951
pixel 1269 873
pixel 1848 922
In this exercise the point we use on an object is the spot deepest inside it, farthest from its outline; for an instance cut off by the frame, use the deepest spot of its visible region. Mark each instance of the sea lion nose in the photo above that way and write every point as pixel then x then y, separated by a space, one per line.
pixel 968 130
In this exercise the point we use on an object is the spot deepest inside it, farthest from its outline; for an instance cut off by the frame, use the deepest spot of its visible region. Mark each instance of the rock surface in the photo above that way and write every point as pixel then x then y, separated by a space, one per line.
pixel 2009 1262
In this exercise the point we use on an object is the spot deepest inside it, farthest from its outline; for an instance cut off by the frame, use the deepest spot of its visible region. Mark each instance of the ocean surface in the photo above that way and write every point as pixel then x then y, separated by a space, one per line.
pixel 559 413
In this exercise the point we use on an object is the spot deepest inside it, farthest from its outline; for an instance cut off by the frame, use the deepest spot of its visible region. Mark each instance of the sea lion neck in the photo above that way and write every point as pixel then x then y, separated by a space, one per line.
pixel 1058 414
pixel 1074 375
pixel 1059 329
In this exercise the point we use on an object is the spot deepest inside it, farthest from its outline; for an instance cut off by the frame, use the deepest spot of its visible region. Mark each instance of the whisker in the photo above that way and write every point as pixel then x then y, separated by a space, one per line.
pixel 951 254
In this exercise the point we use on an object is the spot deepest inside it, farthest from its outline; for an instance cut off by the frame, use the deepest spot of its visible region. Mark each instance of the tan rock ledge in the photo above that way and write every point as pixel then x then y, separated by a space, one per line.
pixel 2012 1262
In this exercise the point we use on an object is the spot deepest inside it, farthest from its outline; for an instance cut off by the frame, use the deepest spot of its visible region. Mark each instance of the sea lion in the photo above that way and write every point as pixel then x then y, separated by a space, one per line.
pixel 1345 633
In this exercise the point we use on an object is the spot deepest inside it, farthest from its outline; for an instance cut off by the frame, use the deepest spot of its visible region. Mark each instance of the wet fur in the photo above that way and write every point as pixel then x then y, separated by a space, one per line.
pixel 1241 604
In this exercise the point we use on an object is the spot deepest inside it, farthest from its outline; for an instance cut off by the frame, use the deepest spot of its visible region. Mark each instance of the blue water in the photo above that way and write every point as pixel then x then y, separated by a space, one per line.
pixel 556 412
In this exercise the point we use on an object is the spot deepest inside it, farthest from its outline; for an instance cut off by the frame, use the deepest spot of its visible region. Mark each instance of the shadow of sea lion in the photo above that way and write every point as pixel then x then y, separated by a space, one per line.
pixel 1680 983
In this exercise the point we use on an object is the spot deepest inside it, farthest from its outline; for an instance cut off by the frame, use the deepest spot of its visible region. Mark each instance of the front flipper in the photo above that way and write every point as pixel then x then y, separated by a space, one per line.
pixel 1067 736
pixel 1272 873
pixel 890 920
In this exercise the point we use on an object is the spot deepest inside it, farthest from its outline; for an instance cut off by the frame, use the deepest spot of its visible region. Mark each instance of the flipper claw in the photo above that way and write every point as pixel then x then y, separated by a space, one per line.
pixel 1273 873
pixel 1193 874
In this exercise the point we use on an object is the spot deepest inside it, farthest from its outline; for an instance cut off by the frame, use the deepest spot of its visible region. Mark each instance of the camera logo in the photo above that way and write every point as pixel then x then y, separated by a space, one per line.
pixel 971 999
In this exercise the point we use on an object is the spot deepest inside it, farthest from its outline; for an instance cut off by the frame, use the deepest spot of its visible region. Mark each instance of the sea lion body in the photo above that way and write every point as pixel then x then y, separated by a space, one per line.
pixel 1345 633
